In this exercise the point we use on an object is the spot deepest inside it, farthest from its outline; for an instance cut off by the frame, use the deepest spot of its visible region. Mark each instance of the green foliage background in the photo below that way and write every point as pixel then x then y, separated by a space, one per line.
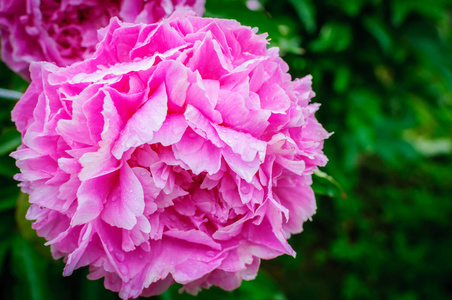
pixel 383 73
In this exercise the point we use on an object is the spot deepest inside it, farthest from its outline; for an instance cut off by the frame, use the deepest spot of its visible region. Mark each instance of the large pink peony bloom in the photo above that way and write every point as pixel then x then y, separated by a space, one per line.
pixel 181 151
pixel 65 31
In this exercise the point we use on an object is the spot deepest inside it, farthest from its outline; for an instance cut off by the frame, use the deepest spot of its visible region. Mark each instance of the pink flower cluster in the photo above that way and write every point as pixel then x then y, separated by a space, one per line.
pixel 182 151
pixel 65 31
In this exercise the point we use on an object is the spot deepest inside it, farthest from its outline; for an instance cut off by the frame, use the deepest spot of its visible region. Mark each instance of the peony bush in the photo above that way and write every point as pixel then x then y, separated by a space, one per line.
pixel 65 31
pixel 181 151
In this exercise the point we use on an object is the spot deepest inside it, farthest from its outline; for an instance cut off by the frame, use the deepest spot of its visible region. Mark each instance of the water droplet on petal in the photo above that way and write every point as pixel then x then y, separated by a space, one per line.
pixel 236 137
pixel 120 256
pixel 244 189
pixel 123 269
pixel 109 247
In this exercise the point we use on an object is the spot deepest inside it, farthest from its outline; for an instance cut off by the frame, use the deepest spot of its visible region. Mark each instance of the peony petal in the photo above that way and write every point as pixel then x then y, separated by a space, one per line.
pixel 141 127
pixel 91 197
pixel 171 131
pixel 191 147
pixel 126 202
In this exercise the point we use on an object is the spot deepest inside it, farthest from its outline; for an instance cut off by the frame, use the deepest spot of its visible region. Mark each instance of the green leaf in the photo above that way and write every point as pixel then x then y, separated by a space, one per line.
pixel 29 269
pixel 5 246
pixel 282 32
pixel 351 8
pixel 379 32
pixel 94 289
pixel 341 79
pixel 25 228
pixel 8 197
pixel 326 185
pixel 402 8
pixel 10 95
pixel 306 12
pixel 429 147
pixel 333 37
pixel 8 167
pixel 261 288
pixel 9 140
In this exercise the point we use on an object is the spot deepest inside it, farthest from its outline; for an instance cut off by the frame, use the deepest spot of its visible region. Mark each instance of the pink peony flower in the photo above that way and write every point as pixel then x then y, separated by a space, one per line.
pixel 65 31
pixel 181 151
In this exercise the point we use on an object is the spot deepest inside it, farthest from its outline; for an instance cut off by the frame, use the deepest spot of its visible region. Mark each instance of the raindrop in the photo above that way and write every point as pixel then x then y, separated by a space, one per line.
pixel 236 137
pixel 124 269
pixel 175 131
pixel 109 247
pixel 244 189
pixel 120 256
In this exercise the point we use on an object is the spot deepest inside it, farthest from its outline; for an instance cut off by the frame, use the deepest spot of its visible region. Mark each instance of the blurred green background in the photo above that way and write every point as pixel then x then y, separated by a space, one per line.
pixel 383 73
